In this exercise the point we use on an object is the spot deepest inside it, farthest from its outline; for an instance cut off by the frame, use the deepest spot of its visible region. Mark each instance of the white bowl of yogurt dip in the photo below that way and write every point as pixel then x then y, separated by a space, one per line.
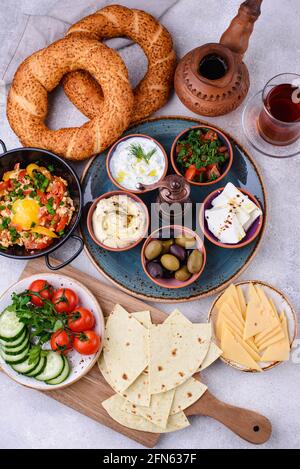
pixel 118 221
pixel 136 159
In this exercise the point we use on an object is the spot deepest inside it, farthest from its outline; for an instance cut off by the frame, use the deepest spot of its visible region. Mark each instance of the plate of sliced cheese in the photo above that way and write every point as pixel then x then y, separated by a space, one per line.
pixel 255 326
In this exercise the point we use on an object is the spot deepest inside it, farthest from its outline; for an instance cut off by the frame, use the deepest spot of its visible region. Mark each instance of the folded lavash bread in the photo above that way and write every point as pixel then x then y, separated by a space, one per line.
pixel 125 348
pixel 175 353
pixel 113 407
pixel 214 352
pixel 138 392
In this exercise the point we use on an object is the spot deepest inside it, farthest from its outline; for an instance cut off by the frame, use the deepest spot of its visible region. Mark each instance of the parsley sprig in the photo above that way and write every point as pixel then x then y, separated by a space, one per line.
pixel 43 321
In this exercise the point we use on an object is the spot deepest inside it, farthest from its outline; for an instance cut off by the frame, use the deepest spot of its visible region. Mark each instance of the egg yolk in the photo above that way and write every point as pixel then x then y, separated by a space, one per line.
pixel 25 213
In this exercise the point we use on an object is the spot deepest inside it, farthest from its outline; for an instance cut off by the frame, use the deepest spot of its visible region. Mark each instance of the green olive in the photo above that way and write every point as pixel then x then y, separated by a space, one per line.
pixel 153 250
pixel 170 262
pixel 195 262
pixel 183 274
pixel 186 242
pixel 166 245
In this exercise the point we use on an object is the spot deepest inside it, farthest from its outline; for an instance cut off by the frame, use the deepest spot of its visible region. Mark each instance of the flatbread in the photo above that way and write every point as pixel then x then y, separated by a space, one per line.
pixel 159 410
pixel 187 394
pixel 144 317
pixel 113 407
pixel 176 352
pixel 125 348
pixel 214 352
pixel 137 393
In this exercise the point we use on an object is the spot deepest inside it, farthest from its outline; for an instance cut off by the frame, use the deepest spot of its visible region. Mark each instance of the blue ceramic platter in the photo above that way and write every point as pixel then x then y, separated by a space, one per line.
pixel 124 268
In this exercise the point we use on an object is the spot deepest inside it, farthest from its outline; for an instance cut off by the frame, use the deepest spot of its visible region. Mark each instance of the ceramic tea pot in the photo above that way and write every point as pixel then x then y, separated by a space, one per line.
pixel 213 80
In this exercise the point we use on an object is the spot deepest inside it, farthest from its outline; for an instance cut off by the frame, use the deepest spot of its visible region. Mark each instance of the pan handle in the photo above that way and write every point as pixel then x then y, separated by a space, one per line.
pixel 3 146
pixel 63 264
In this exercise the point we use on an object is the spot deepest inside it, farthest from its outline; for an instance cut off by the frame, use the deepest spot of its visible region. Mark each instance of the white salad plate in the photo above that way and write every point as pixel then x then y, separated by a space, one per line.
pixel 79 364
pixel 281 303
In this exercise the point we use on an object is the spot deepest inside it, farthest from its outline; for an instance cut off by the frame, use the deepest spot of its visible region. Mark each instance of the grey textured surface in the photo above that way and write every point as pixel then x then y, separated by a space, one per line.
pixel 30 420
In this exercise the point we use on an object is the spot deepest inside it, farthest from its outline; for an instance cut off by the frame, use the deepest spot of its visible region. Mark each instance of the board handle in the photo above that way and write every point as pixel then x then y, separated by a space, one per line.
pixel 249 425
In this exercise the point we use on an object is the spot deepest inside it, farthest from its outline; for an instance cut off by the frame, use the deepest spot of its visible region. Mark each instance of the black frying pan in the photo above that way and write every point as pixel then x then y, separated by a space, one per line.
pixel 25 156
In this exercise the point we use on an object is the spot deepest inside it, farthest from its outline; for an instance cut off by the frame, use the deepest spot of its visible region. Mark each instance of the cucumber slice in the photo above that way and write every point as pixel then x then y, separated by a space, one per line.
pixel 15 359
pixel 54 367
pixel 39 368
pixel 25 367
pixel 10 326
pixel 16 342
pixel 16 350
pixel 63 375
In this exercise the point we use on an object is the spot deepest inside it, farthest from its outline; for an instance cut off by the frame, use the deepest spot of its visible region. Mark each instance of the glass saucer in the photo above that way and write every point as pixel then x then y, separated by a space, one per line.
pixel 249 121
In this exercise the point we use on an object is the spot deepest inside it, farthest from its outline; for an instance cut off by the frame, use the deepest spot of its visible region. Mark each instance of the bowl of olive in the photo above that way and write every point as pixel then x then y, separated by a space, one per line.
pixel 173 256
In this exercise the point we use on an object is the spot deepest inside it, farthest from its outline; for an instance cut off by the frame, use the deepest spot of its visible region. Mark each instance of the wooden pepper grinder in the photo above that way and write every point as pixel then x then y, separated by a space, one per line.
pixel 213 80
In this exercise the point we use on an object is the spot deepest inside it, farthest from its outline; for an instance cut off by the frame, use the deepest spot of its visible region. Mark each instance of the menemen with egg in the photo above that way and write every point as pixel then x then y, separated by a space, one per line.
pixel 35 207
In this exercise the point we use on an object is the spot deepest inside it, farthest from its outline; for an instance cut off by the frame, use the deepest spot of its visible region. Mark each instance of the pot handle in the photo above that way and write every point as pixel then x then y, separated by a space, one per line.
pixel 63 264
pixel 3 146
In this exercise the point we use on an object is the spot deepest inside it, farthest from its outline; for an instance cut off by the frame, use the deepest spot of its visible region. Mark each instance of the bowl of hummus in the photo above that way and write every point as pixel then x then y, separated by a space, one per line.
pixel 136 160
pixel 118 221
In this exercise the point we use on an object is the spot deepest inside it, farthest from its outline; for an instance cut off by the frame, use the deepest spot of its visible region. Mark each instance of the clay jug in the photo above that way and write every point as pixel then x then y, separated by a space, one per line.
pixel 212 79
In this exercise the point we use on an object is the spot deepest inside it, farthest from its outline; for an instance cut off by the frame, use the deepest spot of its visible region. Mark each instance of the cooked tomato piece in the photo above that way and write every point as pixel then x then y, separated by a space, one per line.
pixel 191 173
pixel 87 342
pixel 42 196
pixel 81 319
pixel 213 172
pixel 43 289
pixel 62 223
pixel 61 341
pixel 31 243
pixel 4 185
pixel 65 300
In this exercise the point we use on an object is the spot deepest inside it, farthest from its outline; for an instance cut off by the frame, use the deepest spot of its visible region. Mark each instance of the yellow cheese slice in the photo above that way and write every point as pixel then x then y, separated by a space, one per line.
pixel 230 297
pixel 229 313
pixel 252 294
pixel 247 347
pixel 266 305
pixel 234 351
pixel 276 334
pixel 280 351
pixel 242 301
pixel 257 320
pixel 222 322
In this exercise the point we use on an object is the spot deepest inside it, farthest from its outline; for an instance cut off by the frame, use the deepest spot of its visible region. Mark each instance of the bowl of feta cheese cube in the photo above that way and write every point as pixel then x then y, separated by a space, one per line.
pixel 231 217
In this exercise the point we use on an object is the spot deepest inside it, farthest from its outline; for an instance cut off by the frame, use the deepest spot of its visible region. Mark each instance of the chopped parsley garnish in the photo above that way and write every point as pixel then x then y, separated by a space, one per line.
pixel 32 224
pixel 2 207
pixel 5 223
pixel 14 234
pixel 40 181
pixel 49 206
pixel 61 232
pixel 50 168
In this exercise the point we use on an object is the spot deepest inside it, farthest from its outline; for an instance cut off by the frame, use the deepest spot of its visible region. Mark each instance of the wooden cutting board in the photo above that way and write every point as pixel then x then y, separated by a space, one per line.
pixel 86 395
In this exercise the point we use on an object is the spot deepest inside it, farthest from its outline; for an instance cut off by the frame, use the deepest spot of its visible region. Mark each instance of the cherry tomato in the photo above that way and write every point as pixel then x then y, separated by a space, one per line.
pixel 81 319
pixel 87 342
pixel 61 341
pixel 65 300
pixel 43 288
